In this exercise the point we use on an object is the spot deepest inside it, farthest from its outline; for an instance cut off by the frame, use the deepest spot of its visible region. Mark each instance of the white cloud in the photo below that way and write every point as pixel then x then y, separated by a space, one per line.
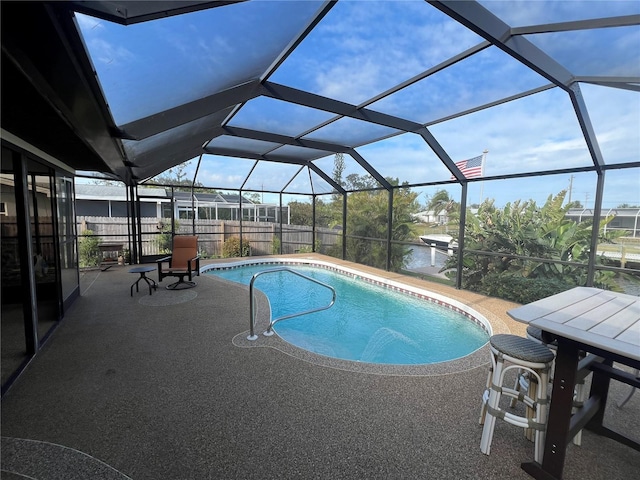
pixel 528 12
pixel 109 54
pixel 88 24
pixel 362 48
pixel 224 180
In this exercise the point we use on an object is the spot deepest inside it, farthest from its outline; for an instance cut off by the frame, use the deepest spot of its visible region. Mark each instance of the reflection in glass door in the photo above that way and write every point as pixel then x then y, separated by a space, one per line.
pixel 14 351
pixel 31 286
pixel 68 258
pixel 40 184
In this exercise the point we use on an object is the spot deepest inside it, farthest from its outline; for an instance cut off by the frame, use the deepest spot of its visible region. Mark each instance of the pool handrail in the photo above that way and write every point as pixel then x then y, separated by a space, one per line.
pixel 269 331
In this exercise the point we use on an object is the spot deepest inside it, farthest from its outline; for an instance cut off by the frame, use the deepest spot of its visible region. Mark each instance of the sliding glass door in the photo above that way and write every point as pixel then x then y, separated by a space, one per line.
pixel 39 255
pixel 14 342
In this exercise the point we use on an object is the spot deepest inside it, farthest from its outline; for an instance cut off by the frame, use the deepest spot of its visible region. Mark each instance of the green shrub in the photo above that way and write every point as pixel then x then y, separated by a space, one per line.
pixel 204 254
pixel 516 288
pixel 310 249
pixel 165 238
pixel 275 245
pixel 88 250
pixel 232 248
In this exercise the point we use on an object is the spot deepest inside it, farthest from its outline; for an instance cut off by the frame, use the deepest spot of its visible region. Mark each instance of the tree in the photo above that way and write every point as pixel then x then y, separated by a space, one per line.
pixel 326 215
pixel 355 181
pixel 338 168
pixel 367 220
pixel 116 183
pixel 255 197
pixel 164 239
pixel 367 224
pixel 175 176
pixel 89 250
pixel 232 247
pixel 338 171
pixel 442 202
pixel 523 229
pixel 300 213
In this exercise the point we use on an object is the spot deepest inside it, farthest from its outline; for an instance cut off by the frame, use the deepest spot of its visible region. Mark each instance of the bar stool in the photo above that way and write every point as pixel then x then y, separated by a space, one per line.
pixel 535 334
pixel 522 379
pixel 512 352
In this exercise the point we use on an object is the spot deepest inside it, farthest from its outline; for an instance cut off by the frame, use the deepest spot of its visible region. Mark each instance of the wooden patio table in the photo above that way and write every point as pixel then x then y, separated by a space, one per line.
pixel 604 324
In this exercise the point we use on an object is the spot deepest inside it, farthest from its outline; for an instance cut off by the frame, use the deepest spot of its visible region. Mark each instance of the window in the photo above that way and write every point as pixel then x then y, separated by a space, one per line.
pixel 185 213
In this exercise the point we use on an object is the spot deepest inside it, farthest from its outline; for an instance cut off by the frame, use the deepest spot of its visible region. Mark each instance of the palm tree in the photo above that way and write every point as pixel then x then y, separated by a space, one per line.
pixel 442 202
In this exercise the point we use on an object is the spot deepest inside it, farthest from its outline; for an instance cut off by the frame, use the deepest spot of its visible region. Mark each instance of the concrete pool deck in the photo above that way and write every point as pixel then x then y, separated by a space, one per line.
pixel 153 387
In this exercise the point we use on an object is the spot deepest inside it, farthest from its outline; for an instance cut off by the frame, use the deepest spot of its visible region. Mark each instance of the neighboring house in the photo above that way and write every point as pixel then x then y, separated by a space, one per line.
pixel 428 216
pixel 111 201
pixel 156 202
pixel 7 197
pixel 627 219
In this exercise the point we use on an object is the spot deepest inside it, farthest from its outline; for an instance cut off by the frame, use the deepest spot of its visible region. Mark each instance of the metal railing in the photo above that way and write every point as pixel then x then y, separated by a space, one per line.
pixel 252 309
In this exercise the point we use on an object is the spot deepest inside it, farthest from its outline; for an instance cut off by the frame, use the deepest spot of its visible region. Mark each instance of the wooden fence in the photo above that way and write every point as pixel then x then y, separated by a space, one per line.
pixel 263 237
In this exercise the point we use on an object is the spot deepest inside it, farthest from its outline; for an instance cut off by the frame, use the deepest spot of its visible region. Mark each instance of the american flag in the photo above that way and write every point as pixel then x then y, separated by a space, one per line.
pixel 472 167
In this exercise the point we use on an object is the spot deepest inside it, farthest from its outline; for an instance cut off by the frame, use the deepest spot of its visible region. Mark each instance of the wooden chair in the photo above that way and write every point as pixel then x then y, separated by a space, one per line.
pixel 184 261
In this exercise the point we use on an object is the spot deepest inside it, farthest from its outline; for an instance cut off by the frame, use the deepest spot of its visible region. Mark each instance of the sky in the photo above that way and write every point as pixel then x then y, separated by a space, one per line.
pixel 362 48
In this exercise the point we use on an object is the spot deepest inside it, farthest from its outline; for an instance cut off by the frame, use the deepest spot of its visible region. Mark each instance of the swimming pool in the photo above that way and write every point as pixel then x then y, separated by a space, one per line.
pixel 372 321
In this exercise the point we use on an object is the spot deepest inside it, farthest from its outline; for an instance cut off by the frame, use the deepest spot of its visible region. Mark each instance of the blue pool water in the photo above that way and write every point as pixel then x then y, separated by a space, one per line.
pixel 368 323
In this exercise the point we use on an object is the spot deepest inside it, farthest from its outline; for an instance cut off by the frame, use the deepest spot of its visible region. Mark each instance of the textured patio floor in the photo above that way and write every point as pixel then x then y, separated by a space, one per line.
pixel 154 388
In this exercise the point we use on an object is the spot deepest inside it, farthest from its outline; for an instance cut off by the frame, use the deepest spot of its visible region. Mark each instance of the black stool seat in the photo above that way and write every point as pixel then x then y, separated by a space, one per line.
pixel 535 332
pixel 521 348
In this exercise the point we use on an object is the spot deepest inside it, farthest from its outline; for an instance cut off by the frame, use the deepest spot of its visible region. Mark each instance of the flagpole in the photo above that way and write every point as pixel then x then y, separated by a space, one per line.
pixel 484 159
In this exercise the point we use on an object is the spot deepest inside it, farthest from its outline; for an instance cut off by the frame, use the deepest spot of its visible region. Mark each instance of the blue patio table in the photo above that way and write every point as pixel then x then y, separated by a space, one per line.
pixel 143 276
pixel 606 325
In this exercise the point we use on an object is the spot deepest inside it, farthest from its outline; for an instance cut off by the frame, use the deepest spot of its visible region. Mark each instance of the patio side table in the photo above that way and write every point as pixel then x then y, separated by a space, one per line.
pixel 143 276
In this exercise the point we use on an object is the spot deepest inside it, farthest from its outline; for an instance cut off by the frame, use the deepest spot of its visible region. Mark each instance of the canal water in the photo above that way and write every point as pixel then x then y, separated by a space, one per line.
pixel 420 258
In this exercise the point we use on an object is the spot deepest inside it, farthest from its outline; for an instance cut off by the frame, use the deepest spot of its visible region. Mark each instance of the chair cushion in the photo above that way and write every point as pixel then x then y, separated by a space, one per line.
pixel 521 348
pixel 184 249
pixel 176 270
